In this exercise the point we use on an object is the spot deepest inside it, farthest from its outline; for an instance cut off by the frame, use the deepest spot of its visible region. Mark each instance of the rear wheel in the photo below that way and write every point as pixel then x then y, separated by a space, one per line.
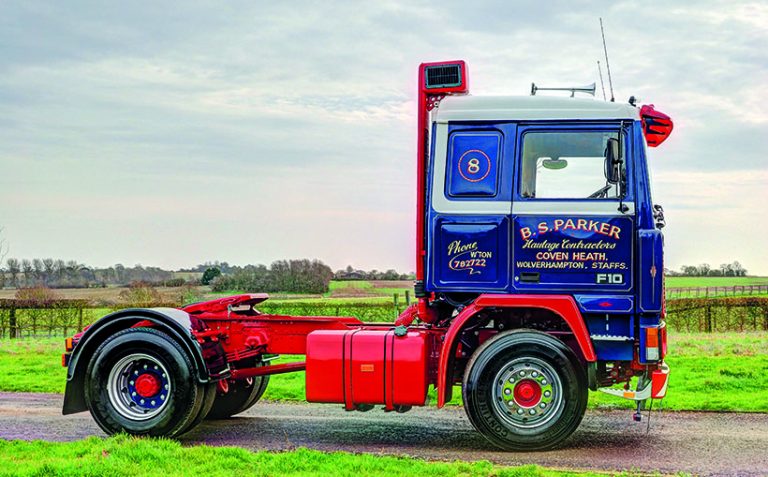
pixel 239 396
pixel 140 381
pixel 525 390
pixel 206 403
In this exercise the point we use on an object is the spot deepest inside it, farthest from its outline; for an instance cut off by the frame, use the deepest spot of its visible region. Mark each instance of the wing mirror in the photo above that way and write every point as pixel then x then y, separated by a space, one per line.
pixel 612 161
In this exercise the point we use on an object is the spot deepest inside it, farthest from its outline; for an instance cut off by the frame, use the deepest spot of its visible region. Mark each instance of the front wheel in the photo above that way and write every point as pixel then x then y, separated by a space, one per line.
pixel 525 390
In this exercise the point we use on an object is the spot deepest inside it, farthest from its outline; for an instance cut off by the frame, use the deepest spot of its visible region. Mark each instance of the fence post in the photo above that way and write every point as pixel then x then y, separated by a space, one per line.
pixel 765 318
pixel 408 297
pixel 80 319
pixel 397 311
pixel 12 329
pixel 709 319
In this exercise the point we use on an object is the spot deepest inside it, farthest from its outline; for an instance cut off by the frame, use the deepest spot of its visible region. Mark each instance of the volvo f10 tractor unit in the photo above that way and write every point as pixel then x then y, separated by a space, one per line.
pixel 539 277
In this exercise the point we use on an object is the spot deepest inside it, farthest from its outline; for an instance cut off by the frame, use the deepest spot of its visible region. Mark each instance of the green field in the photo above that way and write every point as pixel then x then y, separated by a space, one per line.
pixel 129 456
pixel 686 282
pixel 357 290
pixel 710 372
pixel 379 288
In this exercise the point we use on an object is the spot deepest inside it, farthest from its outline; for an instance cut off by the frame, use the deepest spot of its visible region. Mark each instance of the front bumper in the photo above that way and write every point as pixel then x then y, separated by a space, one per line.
pixel 656 388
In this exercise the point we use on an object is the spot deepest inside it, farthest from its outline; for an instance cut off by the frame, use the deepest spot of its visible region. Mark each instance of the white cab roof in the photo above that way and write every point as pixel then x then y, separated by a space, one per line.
pixel 494 108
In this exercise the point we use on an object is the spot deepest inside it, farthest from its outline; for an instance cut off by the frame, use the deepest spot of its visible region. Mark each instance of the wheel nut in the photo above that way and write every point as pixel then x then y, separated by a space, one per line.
pixel 547 393
pixel 162 396
pixel 534 374
pixel 141 402
pixel 507 391
pixel 131 383
pixel 522 373
pixel 532 412
pixel 520 411
pixel 543 382
pixel 152 402
pixel 543 405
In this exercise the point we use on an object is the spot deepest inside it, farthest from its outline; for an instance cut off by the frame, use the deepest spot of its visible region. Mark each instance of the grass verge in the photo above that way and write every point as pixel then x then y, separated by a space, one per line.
pixel 128 456
pixel 710 372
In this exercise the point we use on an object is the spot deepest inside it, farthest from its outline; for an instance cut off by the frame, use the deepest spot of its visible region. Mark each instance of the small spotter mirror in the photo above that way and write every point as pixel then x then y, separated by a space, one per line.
pixel 554 164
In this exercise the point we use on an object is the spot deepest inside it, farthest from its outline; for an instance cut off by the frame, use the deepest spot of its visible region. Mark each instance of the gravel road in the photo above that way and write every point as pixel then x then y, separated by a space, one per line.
pixel 694 442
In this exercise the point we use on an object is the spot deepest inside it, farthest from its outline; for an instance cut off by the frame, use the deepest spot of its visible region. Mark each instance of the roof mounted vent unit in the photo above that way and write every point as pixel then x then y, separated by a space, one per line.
pixel 443 76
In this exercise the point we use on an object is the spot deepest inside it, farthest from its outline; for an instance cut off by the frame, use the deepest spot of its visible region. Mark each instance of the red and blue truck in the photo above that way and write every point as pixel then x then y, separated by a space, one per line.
pixel 539 277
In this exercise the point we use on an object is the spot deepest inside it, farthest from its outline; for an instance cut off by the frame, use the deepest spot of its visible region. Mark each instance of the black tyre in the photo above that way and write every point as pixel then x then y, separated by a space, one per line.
pixel 241 395
pixel 140 381
pixel 525 390
pixel 206 403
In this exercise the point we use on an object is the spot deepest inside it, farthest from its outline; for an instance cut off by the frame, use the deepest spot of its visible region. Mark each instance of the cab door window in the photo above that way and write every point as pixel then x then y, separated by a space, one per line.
pixel 571 165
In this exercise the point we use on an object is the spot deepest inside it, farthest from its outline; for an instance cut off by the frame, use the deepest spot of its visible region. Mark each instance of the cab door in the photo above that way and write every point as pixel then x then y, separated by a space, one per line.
pixel 572 227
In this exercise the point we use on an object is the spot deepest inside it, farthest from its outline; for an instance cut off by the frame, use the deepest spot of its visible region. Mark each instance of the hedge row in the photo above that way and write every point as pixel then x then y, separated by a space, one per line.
pixel 685 314
pixel 718 314
pixel 371 312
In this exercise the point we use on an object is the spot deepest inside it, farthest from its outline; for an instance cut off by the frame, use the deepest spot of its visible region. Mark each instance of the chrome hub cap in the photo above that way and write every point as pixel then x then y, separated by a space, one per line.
pixel 138 387
pixel 528 393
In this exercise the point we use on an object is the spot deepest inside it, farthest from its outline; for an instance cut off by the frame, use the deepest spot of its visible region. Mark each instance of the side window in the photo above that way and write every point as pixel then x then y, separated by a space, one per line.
pixel 570 165
pixel 473 164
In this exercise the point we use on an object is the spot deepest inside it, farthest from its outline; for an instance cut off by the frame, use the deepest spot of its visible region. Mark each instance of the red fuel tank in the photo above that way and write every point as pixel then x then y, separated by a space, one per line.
pixel 366 366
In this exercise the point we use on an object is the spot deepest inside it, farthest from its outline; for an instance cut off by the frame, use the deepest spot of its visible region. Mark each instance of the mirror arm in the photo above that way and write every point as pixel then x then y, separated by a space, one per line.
pixel 622 182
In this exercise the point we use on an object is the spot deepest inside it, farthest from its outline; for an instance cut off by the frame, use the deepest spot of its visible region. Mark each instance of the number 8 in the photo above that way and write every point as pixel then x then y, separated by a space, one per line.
pixel 473 166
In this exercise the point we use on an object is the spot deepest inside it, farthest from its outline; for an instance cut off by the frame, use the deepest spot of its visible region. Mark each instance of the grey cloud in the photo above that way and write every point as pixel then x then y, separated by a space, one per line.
pixel 298 117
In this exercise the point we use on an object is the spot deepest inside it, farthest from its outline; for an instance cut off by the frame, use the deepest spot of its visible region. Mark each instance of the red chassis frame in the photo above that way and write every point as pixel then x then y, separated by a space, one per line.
pixel 243 332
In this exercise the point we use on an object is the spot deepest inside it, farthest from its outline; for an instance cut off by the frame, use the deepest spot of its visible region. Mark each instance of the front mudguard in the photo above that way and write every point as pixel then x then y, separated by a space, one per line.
pixel 208 359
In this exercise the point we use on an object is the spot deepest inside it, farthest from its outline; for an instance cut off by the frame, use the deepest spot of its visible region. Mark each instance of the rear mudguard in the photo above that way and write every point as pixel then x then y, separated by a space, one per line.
pixel 209 364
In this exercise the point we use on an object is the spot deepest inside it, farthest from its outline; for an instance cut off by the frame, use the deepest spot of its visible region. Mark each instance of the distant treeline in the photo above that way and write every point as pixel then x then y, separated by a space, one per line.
pixel 292 276
pixel 734 269
pixel 54 273
pixel 350 273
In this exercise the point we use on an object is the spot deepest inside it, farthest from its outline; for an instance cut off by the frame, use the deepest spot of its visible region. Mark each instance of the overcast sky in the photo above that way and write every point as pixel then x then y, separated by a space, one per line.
pixel 169 134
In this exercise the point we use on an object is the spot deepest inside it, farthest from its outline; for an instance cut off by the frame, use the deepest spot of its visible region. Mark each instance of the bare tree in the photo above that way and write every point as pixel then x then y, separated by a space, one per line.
pixel 738 269
pixel 3 246
pixel 14 269
pixel 27 268
pixel 61 270
pixel 50 267
pixel 39 271
pixel 703 269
